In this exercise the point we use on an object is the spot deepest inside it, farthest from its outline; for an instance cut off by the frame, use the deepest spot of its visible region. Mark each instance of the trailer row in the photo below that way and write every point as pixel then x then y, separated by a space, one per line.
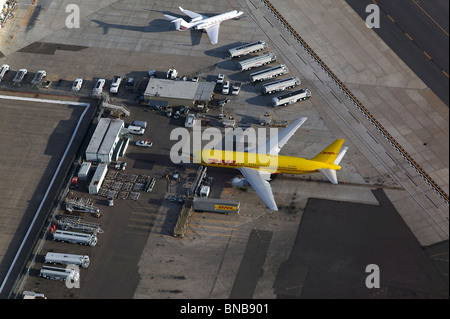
pixel 83 261
pixel 269 73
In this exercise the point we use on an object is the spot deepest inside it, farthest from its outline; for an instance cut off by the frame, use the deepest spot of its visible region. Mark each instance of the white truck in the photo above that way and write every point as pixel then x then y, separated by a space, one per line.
pixel 257 61
pixel 269 73
pixel 280 85
pixel 75 238
pixel 291 97
pixel 236 88
pixel 57 273
pixel 67 259
pixel 247 49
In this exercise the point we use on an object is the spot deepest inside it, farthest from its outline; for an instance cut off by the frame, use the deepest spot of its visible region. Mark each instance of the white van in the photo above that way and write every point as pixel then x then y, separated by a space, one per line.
pixel 142 124
pixel 136 130
pixel 98 89
pixel 115 84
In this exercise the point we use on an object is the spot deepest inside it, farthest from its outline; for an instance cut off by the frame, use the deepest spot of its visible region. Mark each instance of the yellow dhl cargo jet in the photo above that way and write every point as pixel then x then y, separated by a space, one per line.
pixel 257 167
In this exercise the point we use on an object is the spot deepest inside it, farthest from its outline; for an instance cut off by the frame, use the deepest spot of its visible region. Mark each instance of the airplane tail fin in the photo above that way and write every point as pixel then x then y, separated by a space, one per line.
pixel 180 23
pixel 332 154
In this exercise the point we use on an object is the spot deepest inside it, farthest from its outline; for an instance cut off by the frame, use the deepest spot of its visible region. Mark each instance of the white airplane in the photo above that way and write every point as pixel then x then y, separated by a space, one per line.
pixel 200 22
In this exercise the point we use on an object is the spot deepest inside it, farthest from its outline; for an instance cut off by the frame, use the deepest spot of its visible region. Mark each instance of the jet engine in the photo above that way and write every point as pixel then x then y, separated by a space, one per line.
pixel 239 182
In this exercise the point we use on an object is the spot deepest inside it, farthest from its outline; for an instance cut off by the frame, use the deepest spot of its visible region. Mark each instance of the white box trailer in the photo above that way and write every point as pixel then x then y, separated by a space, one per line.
pixel 291 97
pixel 269 73
pixel 257 61
pixel 98 178
pixel 281 85
pixel 97 139
pixel 83 173
pixel 56 273
pixel 75 238
pixel 67 259
pixel 247 49
pixel 215 205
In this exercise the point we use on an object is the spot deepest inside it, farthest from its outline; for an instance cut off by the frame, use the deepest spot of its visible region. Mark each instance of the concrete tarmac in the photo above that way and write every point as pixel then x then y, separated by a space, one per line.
pixel 132 37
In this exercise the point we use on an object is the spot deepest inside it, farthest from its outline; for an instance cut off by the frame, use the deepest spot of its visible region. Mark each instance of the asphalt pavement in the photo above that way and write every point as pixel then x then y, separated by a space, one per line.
pixel 418 34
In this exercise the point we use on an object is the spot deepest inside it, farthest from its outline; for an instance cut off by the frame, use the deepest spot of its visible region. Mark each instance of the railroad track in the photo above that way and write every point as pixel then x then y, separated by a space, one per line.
pixel 359 105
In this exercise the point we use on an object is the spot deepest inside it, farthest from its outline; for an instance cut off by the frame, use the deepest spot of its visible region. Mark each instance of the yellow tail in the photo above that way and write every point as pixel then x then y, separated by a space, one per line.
pixel 329 154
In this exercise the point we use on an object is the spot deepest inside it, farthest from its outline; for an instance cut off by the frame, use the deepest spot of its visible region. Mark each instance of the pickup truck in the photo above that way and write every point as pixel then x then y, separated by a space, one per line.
pixel 236 88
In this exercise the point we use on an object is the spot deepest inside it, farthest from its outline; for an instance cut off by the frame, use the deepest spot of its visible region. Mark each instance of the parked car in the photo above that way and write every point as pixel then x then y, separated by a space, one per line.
pixel 226 87
pixel 220 78
pixel 144 143
pixel 20 75
pixel 76 86
pixel 38 77
pixel 3 70
pixel 176 115
pixel 142 124
pixel 98 88
pixel 115 84
pixel 129 85
pixel 184 109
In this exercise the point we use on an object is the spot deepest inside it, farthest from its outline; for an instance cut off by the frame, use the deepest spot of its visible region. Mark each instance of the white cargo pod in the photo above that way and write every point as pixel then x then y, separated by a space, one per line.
pixel 204 191
pixel 67 259
pixel 83 173
pixel 98 178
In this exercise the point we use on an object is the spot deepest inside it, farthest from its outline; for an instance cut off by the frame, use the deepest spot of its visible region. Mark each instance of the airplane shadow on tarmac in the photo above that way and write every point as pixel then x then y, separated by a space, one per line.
pixel 157 25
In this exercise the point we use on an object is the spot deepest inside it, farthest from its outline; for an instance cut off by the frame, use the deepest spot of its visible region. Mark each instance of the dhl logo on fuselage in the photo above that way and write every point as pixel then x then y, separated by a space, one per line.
pixel 225 207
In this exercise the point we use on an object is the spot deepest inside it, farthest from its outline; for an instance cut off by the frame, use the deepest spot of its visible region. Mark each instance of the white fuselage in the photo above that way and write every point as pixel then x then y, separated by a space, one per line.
pixel 204 23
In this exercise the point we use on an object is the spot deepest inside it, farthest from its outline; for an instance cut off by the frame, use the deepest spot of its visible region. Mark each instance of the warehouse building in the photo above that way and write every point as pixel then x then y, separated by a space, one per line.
pixel 165 92
pixel 104 140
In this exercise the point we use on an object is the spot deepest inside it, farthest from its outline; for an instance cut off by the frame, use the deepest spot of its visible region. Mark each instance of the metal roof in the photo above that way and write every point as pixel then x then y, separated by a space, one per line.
pixel 97 137
pixel 110 137
pixel 188 90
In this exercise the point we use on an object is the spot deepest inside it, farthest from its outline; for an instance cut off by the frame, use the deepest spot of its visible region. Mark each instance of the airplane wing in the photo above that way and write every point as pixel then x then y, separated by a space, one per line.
pixel 213 33
pixel 193 15
pixel 260 182
pixel 280 139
